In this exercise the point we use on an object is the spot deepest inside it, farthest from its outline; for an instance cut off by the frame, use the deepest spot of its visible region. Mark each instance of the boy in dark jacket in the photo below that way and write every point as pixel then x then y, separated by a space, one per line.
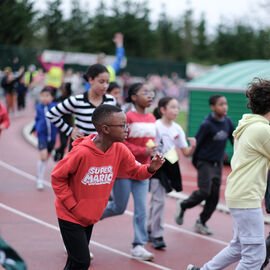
pixel 208 160
pixel 83 179
pixel 46 132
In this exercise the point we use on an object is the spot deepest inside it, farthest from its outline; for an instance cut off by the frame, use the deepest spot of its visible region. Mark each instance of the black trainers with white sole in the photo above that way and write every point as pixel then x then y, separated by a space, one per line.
pixel 158 243
pixel 179 214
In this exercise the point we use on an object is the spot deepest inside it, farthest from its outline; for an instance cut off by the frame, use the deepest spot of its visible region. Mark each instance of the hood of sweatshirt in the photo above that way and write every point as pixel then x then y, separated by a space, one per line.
pixel 211 117
pixel 246 121
pixel 88 142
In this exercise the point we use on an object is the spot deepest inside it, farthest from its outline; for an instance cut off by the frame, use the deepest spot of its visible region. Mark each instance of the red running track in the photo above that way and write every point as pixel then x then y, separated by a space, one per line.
pixel 28 221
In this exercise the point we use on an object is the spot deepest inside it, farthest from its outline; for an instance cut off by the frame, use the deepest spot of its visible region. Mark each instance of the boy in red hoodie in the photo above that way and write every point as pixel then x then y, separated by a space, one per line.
pixel 83 180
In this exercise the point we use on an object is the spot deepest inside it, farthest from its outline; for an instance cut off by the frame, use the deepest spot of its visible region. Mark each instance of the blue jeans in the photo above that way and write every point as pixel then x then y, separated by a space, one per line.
pixel 121 191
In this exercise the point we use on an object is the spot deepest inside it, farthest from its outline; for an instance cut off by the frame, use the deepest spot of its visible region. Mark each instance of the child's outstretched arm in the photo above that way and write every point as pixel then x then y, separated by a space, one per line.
pixel 130 168
pixel 120 51
pixel 187 151
pixel 155 163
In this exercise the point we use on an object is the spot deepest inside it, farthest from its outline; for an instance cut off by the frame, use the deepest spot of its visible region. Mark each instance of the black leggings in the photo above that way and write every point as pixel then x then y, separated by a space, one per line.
pixel 76 239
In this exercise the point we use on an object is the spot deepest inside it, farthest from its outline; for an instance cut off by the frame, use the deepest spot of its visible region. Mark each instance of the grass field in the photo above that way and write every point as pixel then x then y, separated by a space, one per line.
pixel 182 120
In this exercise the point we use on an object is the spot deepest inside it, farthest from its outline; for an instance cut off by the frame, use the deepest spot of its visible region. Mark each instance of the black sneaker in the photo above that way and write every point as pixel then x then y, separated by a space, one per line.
pixel 179 214
pixel 158 243
pixel 192 267
pixel 199 227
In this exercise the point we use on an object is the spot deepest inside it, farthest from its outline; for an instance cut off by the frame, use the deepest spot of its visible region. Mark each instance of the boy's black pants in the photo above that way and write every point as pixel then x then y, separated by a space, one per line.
pixel 209 180
pixel 76 239
pixel 59 152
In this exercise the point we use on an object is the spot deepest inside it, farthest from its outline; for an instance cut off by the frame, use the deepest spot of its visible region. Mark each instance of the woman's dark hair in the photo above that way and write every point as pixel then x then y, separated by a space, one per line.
pixel 94 70
pixel 258 94
pixel 112 86
pixel 162 103
pixel 213 99
pixel 132 90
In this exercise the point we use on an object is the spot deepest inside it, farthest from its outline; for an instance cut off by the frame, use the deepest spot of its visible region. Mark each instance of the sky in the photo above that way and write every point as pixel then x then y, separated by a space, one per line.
pixel 215 11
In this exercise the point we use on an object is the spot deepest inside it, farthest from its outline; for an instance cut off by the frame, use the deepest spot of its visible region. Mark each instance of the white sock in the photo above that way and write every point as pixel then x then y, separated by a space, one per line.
pixel 41 166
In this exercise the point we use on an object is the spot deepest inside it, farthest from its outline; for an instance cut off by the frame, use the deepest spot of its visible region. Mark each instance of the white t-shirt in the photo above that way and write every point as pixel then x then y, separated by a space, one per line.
pixel 171 137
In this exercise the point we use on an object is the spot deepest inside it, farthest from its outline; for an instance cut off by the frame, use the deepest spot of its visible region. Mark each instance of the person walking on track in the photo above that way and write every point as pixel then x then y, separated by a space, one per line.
pixel 246 184
pixel 83 179
pixel 169 136
pixel 208 158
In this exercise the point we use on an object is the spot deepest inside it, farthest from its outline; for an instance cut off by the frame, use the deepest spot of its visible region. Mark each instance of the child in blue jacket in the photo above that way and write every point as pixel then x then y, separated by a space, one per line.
pixel 46 133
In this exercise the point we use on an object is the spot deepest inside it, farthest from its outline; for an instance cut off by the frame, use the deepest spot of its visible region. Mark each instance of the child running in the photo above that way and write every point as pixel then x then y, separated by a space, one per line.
pixel 141 130
pixel 169 136
pixel 246 184
pixel 46 133
pixel 83 180
pixel 82 106
pixel 208 157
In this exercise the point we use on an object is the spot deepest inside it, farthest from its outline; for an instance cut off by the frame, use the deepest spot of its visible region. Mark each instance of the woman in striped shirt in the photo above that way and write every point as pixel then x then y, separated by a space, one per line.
pixel 82 106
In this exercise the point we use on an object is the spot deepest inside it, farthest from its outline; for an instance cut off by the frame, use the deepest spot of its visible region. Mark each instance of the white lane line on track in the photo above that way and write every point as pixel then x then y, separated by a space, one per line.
pixel 48 225
pixel 22 173
pixel 178 229
pixel 172 227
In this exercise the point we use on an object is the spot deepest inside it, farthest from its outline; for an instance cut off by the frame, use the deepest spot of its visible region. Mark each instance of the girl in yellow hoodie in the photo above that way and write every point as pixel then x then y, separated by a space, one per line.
pixel 246 184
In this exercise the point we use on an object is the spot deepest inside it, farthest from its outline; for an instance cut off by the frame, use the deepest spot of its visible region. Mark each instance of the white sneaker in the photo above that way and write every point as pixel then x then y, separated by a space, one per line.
pixel 40 185
pixel 140 253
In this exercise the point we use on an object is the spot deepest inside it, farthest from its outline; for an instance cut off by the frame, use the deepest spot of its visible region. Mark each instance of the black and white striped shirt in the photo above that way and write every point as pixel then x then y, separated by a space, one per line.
pixel 82 110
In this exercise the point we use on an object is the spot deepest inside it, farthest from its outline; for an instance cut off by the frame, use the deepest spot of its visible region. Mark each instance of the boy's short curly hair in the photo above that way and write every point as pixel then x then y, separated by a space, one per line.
pixel 102 113
pixel 258 94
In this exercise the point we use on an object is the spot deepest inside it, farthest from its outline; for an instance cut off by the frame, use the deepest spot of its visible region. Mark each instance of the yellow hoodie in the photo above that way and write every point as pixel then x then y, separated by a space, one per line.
pixel 246 184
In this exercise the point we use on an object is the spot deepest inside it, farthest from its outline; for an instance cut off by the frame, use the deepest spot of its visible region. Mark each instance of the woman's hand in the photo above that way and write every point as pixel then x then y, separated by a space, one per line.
pixel 75 134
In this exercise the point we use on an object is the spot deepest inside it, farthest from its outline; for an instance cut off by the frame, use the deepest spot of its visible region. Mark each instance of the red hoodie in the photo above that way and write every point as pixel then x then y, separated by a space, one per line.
pixel 4 119
pixel 83 180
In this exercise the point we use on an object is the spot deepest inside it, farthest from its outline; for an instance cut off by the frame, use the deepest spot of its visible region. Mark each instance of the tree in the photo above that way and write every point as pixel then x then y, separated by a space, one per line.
pixel 263 44
pixel 54 25
pixel 100 33
pixel 17 21
pixel 234 43
pixel 244 42
pixel 76 29
pixel 187 35
pixel 222 44
pixel 201 46
pixel 168 39
pixel 139 38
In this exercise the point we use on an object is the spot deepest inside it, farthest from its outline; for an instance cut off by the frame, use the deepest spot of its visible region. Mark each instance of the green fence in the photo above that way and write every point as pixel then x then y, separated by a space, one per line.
pixel 143 67
pixel 27 56
pixel 135 66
